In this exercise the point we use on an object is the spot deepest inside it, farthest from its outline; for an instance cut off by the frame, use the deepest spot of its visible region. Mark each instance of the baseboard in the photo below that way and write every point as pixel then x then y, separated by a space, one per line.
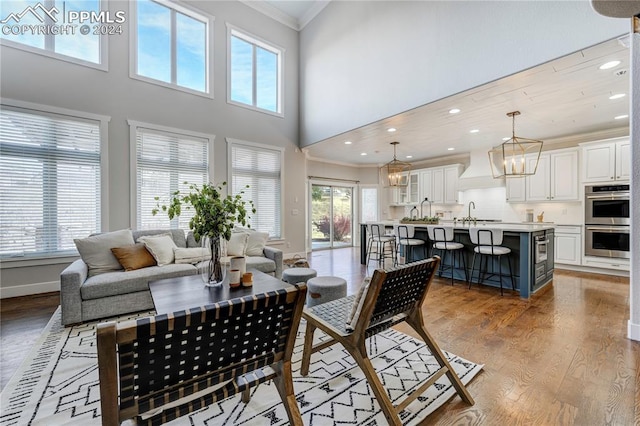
pixel 29 289
pixel 633 332
pixel 592 270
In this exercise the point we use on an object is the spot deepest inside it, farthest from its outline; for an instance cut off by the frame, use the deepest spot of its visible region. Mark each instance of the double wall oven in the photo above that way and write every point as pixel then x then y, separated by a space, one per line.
pixel 607 221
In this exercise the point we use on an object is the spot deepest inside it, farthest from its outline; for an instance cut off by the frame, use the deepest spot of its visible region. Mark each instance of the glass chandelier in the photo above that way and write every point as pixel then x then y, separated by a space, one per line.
pixel 514 157
pixel 395 173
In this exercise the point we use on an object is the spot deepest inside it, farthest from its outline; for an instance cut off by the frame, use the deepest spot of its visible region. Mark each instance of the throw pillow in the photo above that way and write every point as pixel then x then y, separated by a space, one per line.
pixel 256 242
pixel 133 257
pixel 160 246
pixel 95 250
pixel 191 255
pixel 358 303
pixel 236 244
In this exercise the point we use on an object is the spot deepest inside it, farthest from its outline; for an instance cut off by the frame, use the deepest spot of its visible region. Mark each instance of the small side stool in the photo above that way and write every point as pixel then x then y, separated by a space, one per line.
pixel 325 289
pixel 298 275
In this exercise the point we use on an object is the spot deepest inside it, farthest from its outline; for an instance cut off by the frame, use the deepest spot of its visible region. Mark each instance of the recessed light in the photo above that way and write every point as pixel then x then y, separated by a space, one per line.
pixel 391 129
pixel 409 156
pixel 620 117
pixel 505 139
pixel 474 131
pixel 609 65
pixel 617 96
pixel 450 149
pixel 454 110
pixel 363 153
pixel 347 142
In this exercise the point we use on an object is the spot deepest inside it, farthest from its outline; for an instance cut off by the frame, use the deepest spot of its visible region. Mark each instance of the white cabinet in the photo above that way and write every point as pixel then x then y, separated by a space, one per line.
pixel 568 245
pixel 440 184
pixel 516 190
pixel 556 178
pixel 401 196
pixel 606 161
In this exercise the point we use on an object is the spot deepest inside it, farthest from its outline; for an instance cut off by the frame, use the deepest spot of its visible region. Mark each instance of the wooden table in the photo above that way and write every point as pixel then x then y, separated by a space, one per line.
pixel 181 293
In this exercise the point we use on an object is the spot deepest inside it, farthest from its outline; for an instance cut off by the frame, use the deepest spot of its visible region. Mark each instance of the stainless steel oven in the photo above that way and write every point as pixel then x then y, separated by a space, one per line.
pixel 607 241
pixel 541 247
pixel 606 205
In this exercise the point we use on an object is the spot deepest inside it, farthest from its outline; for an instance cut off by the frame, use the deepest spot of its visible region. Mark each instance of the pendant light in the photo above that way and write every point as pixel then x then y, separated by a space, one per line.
pixel 395 173
pixel 516 157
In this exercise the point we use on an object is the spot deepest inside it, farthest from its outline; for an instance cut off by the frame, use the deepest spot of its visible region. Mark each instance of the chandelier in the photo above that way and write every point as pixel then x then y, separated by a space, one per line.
pixel 514 157
pixel 395 173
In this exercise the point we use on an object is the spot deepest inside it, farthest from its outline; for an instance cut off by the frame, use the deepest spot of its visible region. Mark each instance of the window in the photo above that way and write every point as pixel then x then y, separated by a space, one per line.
pixel 52 28
pixel 164 159
pixel 170 45
pixel 255 72
pixel 369 204
pixel 50 175
pixel 259 167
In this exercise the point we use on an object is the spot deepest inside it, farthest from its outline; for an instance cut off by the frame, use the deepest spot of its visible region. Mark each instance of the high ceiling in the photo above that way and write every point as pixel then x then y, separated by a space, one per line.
pixel 564 97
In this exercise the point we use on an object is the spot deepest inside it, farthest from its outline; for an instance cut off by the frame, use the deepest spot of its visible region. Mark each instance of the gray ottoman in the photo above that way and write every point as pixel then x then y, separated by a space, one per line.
pixel 298 275
pixel 324 289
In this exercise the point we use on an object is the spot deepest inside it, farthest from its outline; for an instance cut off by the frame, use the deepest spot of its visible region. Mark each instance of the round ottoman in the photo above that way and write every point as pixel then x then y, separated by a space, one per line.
pixel 298 275
pixel 324 289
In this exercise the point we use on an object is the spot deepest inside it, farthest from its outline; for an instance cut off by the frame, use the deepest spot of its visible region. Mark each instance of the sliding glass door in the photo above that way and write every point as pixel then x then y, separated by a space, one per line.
pixel 331 216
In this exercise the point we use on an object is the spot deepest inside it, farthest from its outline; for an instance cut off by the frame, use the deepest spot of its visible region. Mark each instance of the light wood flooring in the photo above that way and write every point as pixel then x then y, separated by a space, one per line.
pixel 559 358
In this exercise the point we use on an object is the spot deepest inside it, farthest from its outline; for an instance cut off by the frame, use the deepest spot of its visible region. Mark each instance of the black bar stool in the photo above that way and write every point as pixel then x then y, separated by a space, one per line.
pixel 442 237
pixel 487 243
pixel 385 245
pixel 405 235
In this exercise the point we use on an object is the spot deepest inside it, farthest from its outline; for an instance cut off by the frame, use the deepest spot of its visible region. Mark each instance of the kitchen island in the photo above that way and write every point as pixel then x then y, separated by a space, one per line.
pixel 531 254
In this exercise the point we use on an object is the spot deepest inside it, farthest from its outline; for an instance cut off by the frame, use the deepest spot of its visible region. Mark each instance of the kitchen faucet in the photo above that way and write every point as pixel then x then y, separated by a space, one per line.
pixel 474 207
pixel 423 201
pixel 469 218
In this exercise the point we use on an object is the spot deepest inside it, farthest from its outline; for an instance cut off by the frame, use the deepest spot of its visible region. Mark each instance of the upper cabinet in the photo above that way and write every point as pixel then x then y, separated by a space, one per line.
pixel 606 161
pixel 440 184
pixel 556 179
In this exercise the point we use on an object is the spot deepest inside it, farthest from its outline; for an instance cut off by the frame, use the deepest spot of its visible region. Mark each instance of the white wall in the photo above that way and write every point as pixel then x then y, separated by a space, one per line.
pixel 362 61
pixel 35 78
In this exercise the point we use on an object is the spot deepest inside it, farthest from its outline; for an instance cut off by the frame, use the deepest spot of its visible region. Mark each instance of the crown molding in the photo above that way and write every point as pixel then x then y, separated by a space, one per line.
pixel 316 8
pixel 276 14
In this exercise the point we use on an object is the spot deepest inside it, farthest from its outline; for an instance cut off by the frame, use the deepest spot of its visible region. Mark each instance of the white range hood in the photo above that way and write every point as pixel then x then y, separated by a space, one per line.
pixel 478 175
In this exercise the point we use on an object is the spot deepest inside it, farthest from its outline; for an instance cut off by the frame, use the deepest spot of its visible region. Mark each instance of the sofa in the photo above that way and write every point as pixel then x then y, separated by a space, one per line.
pixel 100 292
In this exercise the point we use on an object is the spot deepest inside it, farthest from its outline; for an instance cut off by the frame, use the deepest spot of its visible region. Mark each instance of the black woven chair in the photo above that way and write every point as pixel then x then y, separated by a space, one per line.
pixel 393 296
pixel 167 359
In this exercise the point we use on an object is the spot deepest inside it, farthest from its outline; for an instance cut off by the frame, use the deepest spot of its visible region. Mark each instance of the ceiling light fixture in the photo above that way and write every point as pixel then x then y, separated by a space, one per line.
pixel 409 156
pixel 395 173
pixel 617 96
pixel 620 117
pixel 474 131
pixel 509 158
pixel 363 153
pixel 450 149
pixel 454 110
pixel 609 65
pixel 391 129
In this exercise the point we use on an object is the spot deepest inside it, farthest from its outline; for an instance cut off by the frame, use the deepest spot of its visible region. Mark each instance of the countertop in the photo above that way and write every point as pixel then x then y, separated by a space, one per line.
pixel 505 226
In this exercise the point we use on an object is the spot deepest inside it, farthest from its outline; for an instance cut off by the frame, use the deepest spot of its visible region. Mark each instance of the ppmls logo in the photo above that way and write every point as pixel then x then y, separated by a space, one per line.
pixel 33 10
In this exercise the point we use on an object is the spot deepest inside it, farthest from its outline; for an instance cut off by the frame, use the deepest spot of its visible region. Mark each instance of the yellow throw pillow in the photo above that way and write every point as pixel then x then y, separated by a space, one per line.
pixel 133 257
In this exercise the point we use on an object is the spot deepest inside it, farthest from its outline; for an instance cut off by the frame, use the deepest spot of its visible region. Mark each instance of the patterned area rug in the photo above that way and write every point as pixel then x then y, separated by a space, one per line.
pixel 58 384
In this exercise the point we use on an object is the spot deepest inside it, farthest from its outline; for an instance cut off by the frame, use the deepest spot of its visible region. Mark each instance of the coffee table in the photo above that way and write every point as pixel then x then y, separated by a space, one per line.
pixel 181 293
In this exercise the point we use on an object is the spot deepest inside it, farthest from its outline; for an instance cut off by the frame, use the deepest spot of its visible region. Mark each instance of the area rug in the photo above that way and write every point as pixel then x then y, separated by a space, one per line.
pixel 58 384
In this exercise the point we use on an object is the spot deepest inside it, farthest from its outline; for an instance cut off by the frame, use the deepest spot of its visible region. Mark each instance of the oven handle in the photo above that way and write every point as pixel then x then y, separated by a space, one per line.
pixel 542 242
pixel 622 229
pixel 624 196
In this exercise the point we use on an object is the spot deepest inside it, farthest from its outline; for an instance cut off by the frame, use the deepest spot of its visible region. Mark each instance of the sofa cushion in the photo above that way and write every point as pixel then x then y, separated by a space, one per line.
pixel 114 283
pixel 95 250
pixel 191 255
pixel 133 257
pixel 256 241
pixel 161 247
pixel 176 234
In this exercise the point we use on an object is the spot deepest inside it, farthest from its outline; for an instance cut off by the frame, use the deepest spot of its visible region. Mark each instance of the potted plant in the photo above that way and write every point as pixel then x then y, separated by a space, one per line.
pixel 215 217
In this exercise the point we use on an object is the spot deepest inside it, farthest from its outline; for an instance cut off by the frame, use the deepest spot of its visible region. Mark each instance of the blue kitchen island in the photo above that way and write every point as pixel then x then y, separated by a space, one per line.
pixel 531 255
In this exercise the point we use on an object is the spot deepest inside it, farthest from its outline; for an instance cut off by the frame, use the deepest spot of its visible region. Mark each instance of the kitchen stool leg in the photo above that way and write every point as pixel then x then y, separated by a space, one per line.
pixel 513 282
pixel 473 263
pixel 500 274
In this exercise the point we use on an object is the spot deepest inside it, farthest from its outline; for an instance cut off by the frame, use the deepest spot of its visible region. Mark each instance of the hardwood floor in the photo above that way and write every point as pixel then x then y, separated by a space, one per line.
pixel 560 357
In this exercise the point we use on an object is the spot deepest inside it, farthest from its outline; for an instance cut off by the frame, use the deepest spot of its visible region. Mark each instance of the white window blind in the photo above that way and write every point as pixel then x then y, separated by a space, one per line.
pixel 164 162
pixel 259 167
pixel 49 181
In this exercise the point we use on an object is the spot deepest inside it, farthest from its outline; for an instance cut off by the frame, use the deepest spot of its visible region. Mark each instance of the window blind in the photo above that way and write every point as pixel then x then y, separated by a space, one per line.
pixel 165 161
pixel 260 169
pixel 49 182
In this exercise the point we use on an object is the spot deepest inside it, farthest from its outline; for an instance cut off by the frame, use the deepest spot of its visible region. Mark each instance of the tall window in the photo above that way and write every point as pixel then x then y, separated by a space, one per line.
pixel 171 45
pixel 164 160
pixel 259 167
pixel 50 27
pixel 50 174
pixel 255 72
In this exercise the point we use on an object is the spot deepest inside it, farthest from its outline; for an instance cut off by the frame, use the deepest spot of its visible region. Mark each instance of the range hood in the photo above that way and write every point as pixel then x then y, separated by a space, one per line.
pixel 478 175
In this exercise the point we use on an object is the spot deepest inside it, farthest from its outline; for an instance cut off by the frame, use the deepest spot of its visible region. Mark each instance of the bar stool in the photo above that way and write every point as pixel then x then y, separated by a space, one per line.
pixel 442 237
pixel 385 245
pixel 405 237
pixel 487 243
